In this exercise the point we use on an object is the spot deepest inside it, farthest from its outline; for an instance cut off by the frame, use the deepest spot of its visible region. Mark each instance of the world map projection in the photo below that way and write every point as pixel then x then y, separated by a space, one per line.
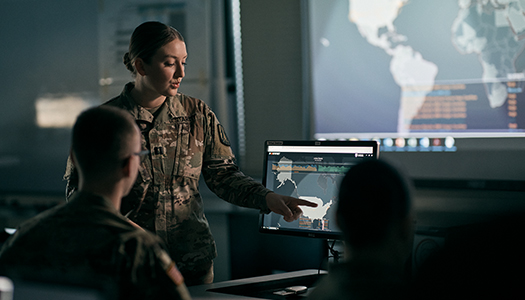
pixel 408 66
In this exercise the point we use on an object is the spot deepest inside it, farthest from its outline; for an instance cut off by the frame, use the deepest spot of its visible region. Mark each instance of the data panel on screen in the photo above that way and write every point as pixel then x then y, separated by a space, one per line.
pixel 314 173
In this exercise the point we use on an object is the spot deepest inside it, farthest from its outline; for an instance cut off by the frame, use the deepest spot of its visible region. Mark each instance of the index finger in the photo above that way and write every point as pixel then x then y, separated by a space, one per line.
pixel 306 203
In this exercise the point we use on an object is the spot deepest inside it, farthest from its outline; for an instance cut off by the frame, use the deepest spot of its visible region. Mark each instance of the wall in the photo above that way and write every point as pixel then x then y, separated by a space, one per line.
pixel 271 45
pixel 41 58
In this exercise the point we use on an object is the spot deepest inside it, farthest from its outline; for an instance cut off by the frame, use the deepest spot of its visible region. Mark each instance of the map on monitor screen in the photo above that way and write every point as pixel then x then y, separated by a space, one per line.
pixel 310 170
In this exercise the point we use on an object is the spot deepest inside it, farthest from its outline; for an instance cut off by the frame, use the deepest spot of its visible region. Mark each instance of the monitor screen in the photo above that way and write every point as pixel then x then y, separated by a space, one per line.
pixel 439 83
pixel 310 170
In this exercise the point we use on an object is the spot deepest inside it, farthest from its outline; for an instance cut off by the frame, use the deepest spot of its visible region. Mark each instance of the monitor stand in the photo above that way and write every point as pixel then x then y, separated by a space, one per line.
pixel 335 250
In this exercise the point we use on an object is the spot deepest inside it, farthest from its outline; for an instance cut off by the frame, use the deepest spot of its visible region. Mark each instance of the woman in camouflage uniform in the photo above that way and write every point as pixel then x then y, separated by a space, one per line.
pixel 185 140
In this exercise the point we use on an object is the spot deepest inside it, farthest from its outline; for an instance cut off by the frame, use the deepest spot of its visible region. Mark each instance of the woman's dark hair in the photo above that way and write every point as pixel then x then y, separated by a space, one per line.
pixel 372 196
pixel 146 39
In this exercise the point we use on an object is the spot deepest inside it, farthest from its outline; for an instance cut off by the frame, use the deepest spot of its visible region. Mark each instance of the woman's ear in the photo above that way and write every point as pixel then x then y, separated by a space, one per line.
pixel 72 157
pixel 139 66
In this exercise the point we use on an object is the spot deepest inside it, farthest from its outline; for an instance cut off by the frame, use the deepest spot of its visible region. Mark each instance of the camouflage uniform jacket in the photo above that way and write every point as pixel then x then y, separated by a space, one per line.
pixel 185 139
pixel 87 240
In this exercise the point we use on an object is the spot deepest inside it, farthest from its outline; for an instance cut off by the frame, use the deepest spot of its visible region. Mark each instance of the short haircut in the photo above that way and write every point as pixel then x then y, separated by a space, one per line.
pixel 372 195
pixel 101 139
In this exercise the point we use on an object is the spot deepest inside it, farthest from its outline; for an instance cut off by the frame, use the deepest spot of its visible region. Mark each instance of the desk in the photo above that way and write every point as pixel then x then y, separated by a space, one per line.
pixel 261 287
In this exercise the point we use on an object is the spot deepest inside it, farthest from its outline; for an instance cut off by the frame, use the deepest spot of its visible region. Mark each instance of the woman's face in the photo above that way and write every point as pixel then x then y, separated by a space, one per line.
pixel 165 71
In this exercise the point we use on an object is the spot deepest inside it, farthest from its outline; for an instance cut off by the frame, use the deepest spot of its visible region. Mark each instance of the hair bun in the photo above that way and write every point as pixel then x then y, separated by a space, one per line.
pixel 127 62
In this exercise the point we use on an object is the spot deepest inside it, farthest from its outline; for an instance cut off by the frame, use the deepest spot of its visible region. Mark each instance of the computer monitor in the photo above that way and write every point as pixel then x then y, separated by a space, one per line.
pixel 310 170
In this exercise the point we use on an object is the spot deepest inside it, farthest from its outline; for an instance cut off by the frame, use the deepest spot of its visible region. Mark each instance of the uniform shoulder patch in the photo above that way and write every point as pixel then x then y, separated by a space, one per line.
pixel 222 135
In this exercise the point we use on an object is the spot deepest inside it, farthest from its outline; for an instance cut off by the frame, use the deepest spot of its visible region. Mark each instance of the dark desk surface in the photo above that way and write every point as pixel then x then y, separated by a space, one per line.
pixel 255 287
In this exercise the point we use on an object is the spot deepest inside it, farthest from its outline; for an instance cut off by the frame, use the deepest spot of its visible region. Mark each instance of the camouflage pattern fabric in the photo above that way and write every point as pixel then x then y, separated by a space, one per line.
pixel 88 240
pixel 185 140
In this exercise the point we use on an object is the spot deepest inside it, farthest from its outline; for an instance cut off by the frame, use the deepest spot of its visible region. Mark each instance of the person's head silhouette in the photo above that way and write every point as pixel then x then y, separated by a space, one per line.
pixel 375 208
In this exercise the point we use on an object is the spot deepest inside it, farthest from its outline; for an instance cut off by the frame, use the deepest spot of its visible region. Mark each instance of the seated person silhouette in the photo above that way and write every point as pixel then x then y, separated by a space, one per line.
pixel 374 212
pixel 87 239
pixel 483 261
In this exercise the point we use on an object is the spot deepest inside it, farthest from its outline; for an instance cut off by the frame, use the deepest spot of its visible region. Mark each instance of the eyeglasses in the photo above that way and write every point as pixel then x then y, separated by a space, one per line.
pixel 141 153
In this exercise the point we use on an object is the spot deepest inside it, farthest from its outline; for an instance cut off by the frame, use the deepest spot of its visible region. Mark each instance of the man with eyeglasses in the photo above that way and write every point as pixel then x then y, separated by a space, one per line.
pixel 86 240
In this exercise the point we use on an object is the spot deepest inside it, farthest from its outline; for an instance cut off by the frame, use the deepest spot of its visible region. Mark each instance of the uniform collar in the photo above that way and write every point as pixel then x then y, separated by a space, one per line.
pixel 172 104
pixel 88 198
